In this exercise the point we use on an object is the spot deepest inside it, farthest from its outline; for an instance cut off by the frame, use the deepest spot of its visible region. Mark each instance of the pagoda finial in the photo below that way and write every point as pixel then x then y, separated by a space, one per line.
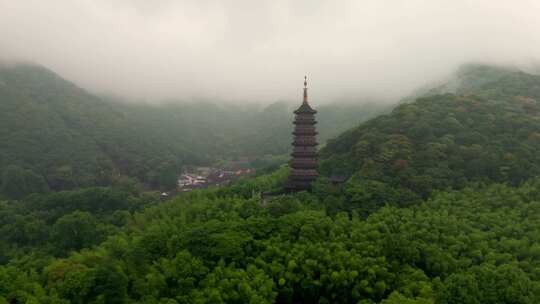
pixel 305 89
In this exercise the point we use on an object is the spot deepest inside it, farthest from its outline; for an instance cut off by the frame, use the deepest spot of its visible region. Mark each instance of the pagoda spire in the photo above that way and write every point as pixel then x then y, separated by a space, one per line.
pixel 305 90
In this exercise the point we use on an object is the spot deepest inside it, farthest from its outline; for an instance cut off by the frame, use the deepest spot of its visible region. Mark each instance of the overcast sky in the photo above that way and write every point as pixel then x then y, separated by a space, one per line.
pixel 255 51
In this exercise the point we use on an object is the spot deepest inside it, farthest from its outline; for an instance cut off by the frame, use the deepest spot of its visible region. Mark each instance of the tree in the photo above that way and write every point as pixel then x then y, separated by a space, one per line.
pixel 75 231
pixel 18 182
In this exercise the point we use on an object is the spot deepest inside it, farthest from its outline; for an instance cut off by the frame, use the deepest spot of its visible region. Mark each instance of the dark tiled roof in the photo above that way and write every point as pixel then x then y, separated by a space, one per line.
pixel 305 108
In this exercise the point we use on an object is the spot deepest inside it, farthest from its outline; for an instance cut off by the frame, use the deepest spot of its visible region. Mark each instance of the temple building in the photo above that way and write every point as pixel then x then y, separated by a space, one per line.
pixel 304 156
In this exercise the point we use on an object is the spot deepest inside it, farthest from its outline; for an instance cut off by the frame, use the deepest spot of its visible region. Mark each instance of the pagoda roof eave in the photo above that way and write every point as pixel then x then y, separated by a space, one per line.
pixel 305 108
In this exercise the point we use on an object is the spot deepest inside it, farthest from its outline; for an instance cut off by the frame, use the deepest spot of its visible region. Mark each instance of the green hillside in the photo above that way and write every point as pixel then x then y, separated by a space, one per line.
pixel 52 130
pixel 489 133
pixel 395 233
pixel 57 136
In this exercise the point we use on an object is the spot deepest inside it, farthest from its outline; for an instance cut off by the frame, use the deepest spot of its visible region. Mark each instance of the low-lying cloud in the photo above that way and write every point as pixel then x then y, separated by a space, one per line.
pixel 259 51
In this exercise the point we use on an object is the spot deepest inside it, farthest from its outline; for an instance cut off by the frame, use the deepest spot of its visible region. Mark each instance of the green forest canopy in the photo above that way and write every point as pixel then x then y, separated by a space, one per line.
pixel 476 245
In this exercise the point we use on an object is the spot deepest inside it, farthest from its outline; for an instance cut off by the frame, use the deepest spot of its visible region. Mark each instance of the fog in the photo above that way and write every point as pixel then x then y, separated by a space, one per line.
pixel 259 51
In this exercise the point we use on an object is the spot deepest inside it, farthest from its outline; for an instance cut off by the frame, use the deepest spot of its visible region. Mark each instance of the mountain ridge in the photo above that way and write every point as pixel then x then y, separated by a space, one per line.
pixel 70 138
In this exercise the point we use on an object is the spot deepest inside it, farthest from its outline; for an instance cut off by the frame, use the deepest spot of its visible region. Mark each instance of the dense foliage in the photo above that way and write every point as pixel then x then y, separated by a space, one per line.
pixel 477 245
pixel 57 223
pixel 445 141
pixel 56 136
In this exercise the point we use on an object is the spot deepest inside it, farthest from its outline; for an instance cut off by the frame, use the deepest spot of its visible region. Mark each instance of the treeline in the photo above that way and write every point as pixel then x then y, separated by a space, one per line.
pixel 476 245
pixel 56 136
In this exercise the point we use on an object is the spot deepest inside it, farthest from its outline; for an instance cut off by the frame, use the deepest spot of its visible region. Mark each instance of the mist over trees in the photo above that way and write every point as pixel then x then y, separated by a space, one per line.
pixel 440 205
pixel 58 136
pixel 427 163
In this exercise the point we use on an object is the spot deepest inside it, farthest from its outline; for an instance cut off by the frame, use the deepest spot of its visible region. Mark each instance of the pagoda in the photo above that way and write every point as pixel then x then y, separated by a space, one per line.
pixel 304 156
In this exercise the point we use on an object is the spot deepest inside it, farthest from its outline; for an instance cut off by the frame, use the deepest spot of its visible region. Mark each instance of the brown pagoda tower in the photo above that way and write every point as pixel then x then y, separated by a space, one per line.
pixel 304 155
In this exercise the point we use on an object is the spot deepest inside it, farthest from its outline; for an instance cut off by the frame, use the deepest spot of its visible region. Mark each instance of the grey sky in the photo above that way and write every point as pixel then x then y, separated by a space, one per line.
pixel 260 50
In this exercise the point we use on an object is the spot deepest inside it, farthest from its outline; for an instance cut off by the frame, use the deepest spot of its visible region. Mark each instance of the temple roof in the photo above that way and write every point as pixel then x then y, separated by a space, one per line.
pixel 305 108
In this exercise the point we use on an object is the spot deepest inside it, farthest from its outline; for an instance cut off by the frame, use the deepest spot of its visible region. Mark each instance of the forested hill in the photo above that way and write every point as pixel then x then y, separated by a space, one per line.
pixel 54 135
pixel 488 132
pixel 373 240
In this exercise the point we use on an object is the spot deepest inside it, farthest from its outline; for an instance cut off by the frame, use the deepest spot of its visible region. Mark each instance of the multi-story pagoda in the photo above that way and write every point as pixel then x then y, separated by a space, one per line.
pixel 304 155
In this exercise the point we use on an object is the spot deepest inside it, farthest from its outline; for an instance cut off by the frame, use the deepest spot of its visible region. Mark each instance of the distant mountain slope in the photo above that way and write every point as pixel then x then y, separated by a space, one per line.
pixel 484 80
pixel 71 138
pixel 44 125
pixel 489 133
pixel 58 136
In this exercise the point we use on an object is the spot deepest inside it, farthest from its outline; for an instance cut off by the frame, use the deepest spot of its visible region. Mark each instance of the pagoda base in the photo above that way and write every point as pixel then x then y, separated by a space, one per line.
pixel 298 185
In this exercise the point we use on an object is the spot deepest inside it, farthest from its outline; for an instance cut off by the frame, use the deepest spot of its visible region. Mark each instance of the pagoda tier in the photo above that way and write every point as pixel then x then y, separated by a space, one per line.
pixel 304 133
pixel 304 161
pixel 304 121
pixel 302 154
pixel 306 150
pixel 305 142
pixel 296 185
pixel 304 174
pixel 302 130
